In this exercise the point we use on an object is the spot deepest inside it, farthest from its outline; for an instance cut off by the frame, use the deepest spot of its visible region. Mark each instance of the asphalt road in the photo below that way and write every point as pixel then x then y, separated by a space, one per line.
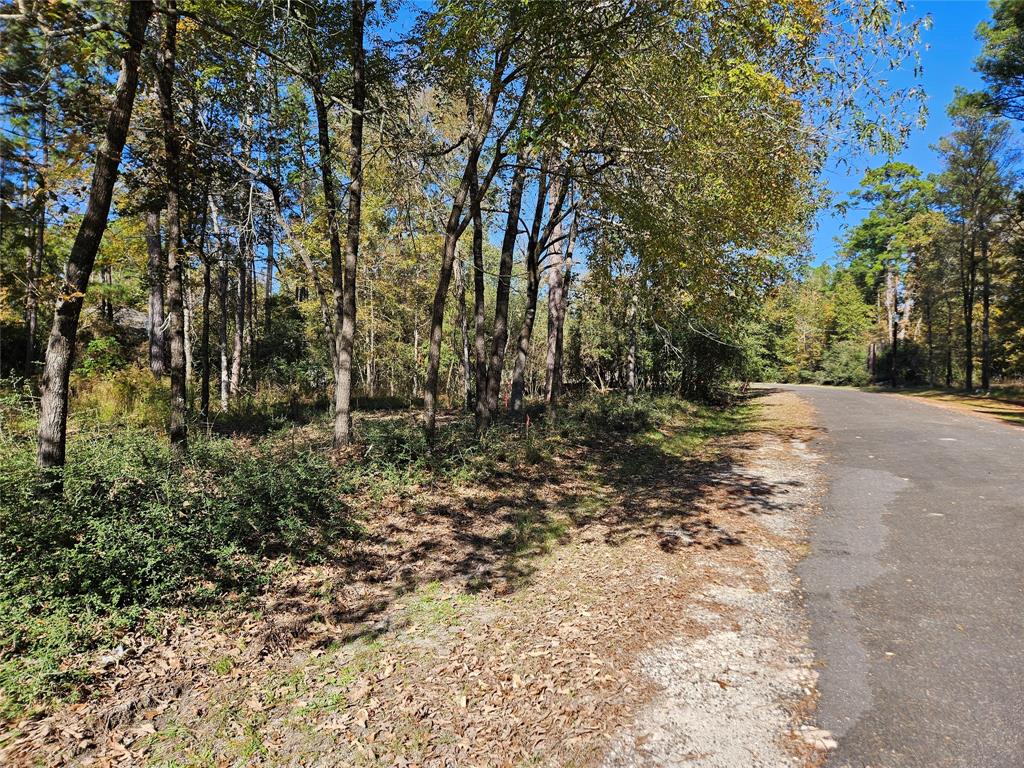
pixel 915 584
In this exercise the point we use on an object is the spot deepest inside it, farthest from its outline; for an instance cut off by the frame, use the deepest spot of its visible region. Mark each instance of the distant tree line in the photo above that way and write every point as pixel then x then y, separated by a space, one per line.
pixel 929 285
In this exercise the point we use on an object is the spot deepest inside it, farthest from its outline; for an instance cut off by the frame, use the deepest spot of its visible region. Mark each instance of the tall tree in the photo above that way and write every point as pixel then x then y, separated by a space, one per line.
pixel 175 257
pixel 53 405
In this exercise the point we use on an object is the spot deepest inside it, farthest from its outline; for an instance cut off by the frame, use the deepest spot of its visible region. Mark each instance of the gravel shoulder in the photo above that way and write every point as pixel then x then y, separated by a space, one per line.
pixel 741 691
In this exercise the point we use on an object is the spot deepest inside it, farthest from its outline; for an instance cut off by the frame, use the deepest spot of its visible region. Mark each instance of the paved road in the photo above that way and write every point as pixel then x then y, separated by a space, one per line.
pixel 915 584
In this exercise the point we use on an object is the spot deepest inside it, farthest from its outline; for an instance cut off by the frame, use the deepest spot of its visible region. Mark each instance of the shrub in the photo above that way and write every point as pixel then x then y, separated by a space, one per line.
pixel 613 412
pixel 102 355
pixel 127 396
pixel 133 531
pixel 844 364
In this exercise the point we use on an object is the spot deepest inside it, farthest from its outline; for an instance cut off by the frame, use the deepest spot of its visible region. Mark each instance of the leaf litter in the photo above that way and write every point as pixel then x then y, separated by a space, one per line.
pixel 597 611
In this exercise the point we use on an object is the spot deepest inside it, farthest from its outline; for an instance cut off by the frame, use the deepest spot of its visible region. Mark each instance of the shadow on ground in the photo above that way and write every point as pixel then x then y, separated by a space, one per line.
pixel 616 488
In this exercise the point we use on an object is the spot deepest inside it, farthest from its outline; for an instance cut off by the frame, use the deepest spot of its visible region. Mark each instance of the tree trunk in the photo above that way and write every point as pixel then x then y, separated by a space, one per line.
pixel 463 346
pixel 533 255
pixel 631 351
pixel 343 385
pixel 238 338
pixel 499 332
pixel 189 320
pixel 949 344
pixel 454 228
pixel 222 306
pixel 204 343
pixel 337 265
pixel 930 336
pixel 556 275
pixel 526 332
pixel 969 281
pixel 986 301
pixel 175 277
pixel 249 337
pixel 155 280
pixel 222 335
pixel 268 281
pixel 479 308
pixel 53 405
pixel 563 306
pixel 415 357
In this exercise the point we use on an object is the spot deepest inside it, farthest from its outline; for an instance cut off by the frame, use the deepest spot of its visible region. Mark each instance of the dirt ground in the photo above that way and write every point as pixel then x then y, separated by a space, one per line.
pixel 628 606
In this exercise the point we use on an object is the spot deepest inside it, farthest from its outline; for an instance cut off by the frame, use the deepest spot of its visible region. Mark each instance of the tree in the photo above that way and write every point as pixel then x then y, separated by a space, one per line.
pixel 974 189
pixel 175 280
pixel 53 406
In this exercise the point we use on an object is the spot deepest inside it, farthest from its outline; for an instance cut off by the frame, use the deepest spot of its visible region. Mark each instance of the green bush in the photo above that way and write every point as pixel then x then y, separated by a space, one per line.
pixel 102 355
pixel 132 531
pixel 613 412
pixel 846 363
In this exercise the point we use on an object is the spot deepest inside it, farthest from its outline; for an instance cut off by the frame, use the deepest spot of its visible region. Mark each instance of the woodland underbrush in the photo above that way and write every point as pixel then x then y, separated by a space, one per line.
pixel 135 530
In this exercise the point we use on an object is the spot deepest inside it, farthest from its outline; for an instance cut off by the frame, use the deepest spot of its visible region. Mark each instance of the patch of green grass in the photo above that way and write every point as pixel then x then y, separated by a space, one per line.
pixel 429 607
pixel 534 531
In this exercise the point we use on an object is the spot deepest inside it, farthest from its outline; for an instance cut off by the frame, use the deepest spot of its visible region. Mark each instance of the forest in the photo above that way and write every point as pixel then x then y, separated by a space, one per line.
pixel 271 268
pixel 927 289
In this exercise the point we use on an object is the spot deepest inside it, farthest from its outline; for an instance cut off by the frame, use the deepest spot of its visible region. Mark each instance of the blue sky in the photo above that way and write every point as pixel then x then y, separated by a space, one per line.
pixel 948 62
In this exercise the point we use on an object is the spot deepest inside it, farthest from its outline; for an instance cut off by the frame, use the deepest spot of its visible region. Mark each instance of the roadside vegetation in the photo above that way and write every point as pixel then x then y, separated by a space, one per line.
pixel 137 533
pixel 927 287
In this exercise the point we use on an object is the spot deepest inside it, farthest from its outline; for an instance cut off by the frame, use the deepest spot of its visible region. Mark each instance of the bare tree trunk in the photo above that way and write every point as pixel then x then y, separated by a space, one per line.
pixel 968 286
pixel 949 344
pixel 555 279
pixel 204 343
pixel 986 302
pixel 222 306
pixel 175 277
pixel 533 255
pixel 189 327
pixel 334 327
pixel 53 406
pixel 930 336
pixel 222 335
pixel 371 360
pixel 107 304
pixel 343 385
pixel 525 333
pixel 499 332
pixel 454 228
pixel 415 358
pixel 463 345
pixel 155 279
pixel 249 341
pixel 631 351
pixel 563 305
pixel 268 282
pixel 238 338
pixel 479 309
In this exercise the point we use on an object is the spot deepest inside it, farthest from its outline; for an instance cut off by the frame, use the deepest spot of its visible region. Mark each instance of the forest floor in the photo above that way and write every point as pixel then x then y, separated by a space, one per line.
pixel 626 602
pixel 1002 403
